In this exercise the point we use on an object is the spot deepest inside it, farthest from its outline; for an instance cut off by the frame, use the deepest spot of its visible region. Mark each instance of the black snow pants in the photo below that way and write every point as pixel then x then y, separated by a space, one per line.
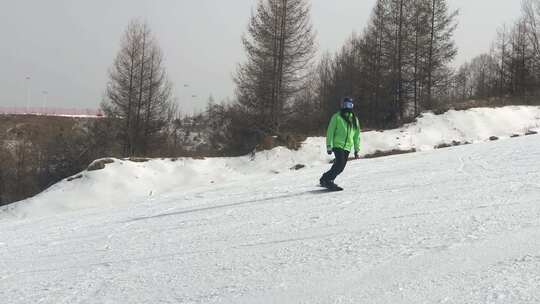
pixel 339 165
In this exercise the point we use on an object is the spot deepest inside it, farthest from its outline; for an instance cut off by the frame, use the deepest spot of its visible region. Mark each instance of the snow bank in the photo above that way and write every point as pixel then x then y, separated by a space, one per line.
pixel 472 126
pixel 125 182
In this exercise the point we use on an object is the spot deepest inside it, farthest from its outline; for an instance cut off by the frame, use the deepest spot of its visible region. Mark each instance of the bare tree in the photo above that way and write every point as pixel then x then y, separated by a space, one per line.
pixel 484 75
pixel 399 66
pixel 280 46
pixel 501 51
pixel 531 11
pixel 462 88
pixel 442 49
pixel 420 19
pixel 138 92
pixel 510 71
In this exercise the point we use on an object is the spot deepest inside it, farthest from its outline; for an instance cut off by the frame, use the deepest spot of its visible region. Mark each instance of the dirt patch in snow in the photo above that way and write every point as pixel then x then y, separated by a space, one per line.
pixel 99 164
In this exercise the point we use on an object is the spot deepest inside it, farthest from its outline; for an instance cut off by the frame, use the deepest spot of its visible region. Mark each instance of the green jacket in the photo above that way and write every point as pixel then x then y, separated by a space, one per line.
pixel 343 135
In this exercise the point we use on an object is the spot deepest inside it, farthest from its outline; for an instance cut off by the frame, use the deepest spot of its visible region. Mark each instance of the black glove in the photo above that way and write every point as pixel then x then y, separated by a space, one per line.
pixel 356 156
pixel 329 151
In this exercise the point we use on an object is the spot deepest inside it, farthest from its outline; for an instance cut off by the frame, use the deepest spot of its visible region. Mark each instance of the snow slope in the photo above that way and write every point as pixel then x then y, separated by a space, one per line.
pixel 125 182
pixel 458 225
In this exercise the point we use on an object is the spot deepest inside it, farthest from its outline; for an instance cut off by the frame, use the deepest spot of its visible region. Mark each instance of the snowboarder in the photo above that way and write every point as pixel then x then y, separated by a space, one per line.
pixel 343 133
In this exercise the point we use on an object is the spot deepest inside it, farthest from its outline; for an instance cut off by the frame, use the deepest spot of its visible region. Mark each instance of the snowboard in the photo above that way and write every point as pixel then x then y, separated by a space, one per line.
pixel 332 188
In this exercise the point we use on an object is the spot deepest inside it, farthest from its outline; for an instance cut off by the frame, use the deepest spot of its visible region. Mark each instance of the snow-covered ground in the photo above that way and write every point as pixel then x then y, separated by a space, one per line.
pixel 457 225
pixel 125 182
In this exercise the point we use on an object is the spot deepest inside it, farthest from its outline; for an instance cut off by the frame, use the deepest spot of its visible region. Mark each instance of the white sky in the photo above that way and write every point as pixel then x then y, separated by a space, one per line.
pixel 67 46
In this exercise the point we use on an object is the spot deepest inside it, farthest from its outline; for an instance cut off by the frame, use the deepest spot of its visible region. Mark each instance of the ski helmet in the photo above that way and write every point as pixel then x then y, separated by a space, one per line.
pixel 347 103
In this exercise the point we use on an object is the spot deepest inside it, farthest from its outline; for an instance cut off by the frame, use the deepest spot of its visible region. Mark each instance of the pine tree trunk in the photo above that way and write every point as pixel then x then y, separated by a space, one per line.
pixel 430 63
pixel 137 127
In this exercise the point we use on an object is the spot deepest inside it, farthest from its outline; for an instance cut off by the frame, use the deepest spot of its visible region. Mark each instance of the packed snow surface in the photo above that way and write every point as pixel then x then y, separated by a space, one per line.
pixel 456 225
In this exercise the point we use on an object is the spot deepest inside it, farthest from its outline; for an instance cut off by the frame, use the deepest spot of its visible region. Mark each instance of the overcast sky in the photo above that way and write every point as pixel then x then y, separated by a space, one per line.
pixel 67 46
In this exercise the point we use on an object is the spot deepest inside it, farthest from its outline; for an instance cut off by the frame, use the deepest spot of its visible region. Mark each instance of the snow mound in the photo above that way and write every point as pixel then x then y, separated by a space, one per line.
pixel 125 182
pixel 470 126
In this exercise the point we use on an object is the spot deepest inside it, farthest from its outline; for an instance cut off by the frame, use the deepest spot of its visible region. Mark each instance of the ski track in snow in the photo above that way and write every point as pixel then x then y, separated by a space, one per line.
pixel 459 225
